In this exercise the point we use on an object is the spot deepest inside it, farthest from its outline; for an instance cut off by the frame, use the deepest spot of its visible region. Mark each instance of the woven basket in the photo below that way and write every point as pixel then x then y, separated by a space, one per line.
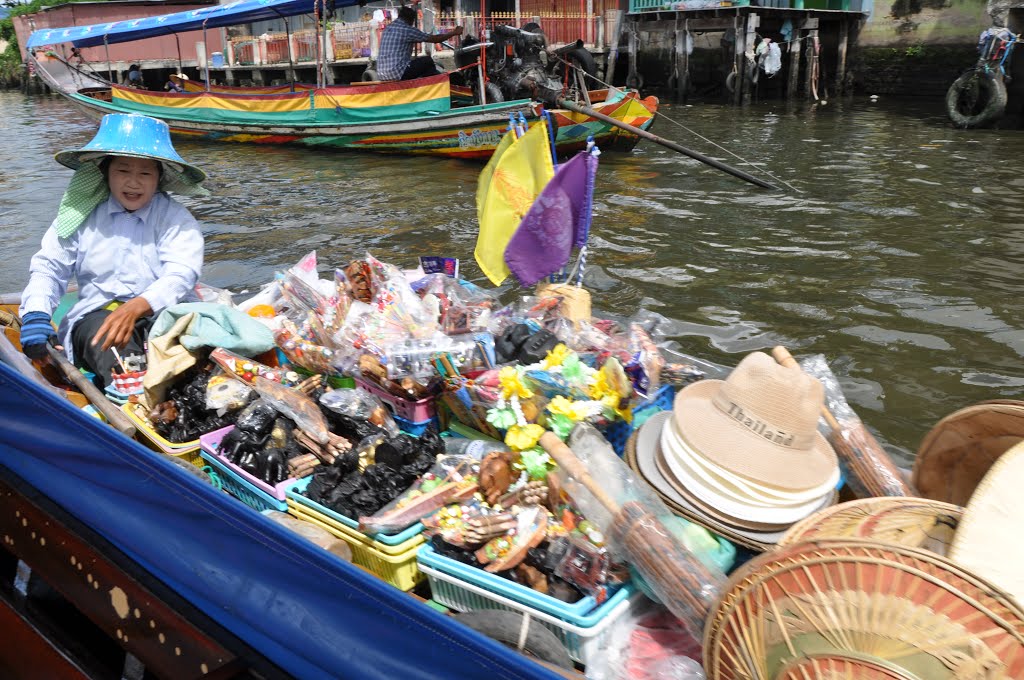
pixel 840 667
pixel 955 455
pixel 895 520
pixel 896 607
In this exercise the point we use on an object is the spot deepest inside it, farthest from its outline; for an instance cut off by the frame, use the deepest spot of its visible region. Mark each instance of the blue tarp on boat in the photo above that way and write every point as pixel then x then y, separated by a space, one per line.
pixel 230 14
pixel 310 613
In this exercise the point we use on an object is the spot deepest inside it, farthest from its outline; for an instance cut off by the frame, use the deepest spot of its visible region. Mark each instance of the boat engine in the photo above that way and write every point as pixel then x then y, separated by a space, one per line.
pixel 520 67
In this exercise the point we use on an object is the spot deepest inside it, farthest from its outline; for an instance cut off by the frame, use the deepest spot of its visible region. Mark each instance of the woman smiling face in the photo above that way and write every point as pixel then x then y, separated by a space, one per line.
pixel 133 181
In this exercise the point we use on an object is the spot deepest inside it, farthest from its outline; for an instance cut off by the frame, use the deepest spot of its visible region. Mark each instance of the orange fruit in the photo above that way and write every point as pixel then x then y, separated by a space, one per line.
pixel 263 312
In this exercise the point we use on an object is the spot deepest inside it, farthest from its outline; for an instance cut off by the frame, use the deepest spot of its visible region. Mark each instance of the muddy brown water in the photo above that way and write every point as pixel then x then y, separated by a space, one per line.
pixel 898 253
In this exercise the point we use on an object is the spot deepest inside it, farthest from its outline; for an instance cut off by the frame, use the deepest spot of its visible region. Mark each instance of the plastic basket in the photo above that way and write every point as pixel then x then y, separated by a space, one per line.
pixel 150 436
pixel 576 613
pixel 233 483
pixel 391 543
pixel 211 444
pixel 417 429
pixel 618 433
pixel 399 569
pixel 412 411
pixel 581 641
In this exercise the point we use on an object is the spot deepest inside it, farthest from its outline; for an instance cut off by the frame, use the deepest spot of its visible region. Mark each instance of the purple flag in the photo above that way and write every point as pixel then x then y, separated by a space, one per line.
pixel 557 220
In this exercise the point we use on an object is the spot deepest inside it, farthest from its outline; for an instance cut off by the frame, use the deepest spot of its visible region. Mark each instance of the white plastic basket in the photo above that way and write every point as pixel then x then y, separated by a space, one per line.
pixel 581 643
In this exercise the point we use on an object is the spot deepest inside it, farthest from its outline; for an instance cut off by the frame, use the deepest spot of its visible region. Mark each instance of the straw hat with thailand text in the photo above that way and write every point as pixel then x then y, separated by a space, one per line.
pixel 760 424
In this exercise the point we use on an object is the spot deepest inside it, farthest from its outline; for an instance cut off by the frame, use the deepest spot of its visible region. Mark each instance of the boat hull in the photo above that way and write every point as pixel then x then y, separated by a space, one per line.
pixel 472 133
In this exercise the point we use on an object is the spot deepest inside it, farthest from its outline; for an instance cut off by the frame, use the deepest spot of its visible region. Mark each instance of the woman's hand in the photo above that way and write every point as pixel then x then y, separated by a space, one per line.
pixel 117 328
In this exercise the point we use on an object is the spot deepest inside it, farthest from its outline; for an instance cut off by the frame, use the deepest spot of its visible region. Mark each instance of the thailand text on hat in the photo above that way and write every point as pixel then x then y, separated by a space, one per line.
pixel 760 424
pixel 121 135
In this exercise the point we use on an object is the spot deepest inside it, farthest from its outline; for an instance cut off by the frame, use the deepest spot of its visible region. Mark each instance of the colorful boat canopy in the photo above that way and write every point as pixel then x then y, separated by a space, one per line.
pixel 233 13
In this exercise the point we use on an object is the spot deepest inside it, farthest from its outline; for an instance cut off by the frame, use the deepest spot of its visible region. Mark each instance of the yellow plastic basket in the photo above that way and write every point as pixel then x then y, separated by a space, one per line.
pixel 395 564
pixel 150 438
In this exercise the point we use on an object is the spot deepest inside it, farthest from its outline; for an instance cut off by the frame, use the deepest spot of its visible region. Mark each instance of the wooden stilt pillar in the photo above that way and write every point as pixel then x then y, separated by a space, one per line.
pixel 753 21
pixel 794 64
pixel 844 37
pixel 739 33
pixel 683 62
pixel 613 47
pixel 632 79
pixel 810 84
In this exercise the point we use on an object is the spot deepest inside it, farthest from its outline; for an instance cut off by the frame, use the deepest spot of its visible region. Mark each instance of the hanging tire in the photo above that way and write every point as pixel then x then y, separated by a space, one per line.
pixel 976 98
pixel 505 627
pixel 369 75
pixel 730 82
pixel 634 82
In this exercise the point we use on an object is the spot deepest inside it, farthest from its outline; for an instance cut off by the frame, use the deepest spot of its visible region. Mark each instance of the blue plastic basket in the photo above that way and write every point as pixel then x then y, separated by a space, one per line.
pixel 580 613
pixel 241 489
pixel 416 429
pixel 618 433
pixel 295 491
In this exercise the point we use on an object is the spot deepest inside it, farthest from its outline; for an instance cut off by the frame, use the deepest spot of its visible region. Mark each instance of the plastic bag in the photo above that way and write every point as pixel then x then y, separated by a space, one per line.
pixel 452 479
pixel 634 521
pixel 358 404
pixel 295 405
pixel 225 393
pixel 871 472
pixel 646 644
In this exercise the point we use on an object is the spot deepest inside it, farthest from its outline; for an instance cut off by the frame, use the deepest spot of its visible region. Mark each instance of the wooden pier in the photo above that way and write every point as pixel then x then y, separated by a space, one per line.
pixel 808 39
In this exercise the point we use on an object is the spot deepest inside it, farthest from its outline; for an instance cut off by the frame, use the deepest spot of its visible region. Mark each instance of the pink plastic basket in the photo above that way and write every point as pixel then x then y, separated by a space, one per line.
pixel 411 411
pixel 211 444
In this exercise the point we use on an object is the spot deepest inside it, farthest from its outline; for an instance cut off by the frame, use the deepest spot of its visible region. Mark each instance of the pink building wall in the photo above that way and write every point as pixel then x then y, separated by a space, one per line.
pixel 86 13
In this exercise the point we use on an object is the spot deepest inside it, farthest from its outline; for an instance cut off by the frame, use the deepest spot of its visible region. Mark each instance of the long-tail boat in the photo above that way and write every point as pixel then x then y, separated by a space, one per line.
pixel 398 117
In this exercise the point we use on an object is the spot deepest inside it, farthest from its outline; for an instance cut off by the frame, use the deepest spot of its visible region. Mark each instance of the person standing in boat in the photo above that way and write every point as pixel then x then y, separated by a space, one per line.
pixel 394 58
pixel 133 249
pixel 134 76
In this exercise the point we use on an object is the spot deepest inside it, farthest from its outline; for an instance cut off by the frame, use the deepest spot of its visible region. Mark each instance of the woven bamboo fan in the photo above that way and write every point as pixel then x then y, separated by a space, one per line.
pixel 835 667
pixel 959 450
pixel 900 608
pixel 898 520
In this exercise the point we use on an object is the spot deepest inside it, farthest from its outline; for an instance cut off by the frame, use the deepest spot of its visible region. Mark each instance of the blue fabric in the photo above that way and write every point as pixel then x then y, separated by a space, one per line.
pixel 36 330
pixel 214 16
pixel 395 51
pixel 300 606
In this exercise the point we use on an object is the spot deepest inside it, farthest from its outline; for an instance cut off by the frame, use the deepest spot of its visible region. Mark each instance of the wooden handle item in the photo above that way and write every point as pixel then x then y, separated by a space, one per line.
pixel 110 411
pixel 575 468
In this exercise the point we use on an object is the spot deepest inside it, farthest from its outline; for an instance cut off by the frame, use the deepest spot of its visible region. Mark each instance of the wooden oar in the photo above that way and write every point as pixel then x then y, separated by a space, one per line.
pixel 696 155
pixel 681 581
pixel 864 456
pixel 110 411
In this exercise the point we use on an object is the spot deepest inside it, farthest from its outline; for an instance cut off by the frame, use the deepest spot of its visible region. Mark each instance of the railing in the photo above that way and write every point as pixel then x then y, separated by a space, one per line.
pixel 359 40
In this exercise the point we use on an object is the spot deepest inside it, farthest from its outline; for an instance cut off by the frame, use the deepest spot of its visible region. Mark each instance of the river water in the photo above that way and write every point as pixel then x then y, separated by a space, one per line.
pixel 898 252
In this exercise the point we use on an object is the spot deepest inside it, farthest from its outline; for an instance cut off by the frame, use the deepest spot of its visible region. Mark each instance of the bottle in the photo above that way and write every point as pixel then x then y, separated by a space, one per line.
pixel 477 448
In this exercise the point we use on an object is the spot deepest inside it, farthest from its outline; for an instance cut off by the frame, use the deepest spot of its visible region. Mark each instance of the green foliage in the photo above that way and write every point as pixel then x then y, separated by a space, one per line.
pixel 915 51
pixel 10 59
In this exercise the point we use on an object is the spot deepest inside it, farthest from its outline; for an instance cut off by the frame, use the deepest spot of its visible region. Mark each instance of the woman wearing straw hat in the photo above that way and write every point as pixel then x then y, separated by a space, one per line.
pixel 132 248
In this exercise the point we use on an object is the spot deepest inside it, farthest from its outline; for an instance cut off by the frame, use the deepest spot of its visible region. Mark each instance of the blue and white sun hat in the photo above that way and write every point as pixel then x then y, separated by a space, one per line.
pixel 121 134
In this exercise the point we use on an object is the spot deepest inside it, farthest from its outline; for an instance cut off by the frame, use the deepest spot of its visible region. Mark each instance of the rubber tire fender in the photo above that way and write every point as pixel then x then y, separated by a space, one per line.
pixel 583 59
pixel 730 82
pixel 504 627
pixel 369 75
pixel 635 82
pixel 991 84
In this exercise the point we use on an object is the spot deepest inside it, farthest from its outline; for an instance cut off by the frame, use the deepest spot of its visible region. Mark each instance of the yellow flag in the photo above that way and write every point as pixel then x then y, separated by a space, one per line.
pixel 507 188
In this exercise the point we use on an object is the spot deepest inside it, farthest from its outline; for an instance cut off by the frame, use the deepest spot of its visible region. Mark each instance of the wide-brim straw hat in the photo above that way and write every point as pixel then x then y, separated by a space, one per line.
pixel 759 423
pixel 957 453
pixel 915 613
pixel 985 540
pixel 896 520
pixel 124 134
pixel 642 456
